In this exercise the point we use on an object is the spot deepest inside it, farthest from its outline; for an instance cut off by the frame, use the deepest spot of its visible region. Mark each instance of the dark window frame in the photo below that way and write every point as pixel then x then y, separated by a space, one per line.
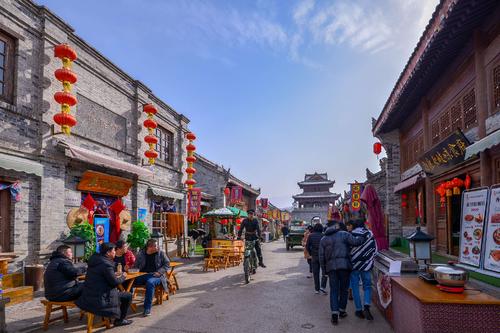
pixel 7 82
pixel 165 144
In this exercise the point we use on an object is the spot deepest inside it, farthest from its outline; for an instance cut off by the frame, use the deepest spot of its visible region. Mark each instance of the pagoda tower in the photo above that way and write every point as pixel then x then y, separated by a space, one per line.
pixel 315 198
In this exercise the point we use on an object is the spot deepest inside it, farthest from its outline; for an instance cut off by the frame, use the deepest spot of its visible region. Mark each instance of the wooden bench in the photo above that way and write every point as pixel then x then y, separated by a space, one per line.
pixel 105 322
pixel 159 296
pixel 53 307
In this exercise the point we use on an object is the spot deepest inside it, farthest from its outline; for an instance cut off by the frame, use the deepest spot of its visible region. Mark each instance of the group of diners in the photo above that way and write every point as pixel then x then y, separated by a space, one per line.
pixel 105 272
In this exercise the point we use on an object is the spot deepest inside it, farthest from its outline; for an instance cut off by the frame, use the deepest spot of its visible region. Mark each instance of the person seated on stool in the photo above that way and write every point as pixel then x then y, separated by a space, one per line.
pixel 153 261
pixel 60 277
pixel 100 294
pixel 124 256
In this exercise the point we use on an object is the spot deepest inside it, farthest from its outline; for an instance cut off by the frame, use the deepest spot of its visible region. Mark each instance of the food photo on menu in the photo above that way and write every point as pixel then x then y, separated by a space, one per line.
pixel 473 212
pixel 492 239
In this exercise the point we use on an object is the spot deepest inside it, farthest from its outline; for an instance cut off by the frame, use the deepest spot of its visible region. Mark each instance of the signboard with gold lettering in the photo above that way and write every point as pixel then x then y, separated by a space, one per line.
pixel 98 182
pixel 356 190
pixel 445 154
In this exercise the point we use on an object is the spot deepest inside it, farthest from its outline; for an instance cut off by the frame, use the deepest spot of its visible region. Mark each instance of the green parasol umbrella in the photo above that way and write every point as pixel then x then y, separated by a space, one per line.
pixel 238 212
pixel 220 213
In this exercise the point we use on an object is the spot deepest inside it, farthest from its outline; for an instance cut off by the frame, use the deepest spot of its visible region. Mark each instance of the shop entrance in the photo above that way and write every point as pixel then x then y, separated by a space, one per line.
pixel 5 200
pixel 454 224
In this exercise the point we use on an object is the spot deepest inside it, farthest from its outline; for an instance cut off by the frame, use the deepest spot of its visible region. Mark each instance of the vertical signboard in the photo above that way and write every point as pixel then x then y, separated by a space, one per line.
pixel 101 225
pixel 491 259
pixel 356 190
pixel 472 225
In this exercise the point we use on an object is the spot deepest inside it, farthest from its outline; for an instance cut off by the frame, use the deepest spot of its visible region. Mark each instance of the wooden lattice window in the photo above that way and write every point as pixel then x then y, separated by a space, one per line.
pixel 164 147
pixel 435 131
pixel 444 125
pixel 496 89
pixel 469 107
pixel 456 116
pixel 6 67
pixel 420 146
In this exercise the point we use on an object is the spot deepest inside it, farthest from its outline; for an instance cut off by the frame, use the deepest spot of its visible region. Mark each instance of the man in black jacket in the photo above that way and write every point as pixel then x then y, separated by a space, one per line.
pixel 252 233
pixel 60 276
pixel 100 295
pixel 312 247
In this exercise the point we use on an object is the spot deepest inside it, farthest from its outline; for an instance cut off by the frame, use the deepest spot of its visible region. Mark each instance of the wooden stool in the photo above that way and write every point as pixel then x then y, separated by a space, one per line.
pixel 56 306
pixel 105 322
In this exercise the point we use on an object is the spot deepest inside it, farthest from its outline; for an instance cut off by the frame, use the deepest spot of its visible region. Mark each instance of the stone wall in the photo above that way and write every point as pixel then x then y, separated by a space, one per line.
pixel 109 115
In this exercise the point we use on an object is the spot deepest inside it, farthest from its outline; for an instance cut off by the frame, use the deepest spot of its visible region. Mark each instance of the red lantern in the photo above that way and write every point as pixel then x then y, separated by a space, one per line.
pixel 151 139
pixel 404 204
pixel 150 123
pixel 64 120
pixel 377 148
pixel 227 191
pixel 191 159
pixel 257 202
pixel 62 51
pixel 191 170
pixel 65 75
pixel 190 182
pixel 149 109
pixel 404 196
pixel 152 154
pixel 190 147
pixel 204 220
pixel 190 136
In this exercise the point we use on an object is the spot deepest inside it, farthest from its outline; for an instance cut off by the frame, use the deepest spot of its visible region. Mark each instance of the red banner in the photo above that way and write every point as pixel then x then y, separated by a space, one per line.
pixel 236 194
pixel 264 203
pixel 194 204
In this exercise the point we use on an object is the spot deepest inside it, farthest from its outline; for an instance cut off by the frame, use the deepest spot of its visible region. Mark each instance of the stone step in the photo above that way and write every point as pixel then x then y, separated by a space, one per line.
pixel 18 294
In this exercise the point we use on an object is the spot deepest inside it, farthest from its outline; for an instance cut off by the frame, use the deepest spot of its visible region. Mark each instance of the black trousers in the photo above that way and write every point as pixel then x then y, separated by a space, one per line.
pixel 316 267
pixel 309 262
pixel 259 251
pixel 69 295
pixel 125 300
pixel 339 286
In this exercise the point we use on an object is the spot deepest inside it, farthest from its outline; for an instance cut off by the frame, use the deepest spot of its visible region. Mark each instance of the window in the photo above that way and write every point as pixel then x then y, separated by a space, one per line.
pixel 469 107
pixel 496 89
pixel 6 67
pixel 411 150
pixel 164 145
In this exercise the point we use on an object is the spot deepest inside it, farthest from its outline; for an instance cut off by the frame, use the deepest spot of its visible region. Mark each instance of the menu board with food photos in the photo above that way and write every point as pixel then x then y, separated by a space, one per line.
pixel 472 218
pixel 492 239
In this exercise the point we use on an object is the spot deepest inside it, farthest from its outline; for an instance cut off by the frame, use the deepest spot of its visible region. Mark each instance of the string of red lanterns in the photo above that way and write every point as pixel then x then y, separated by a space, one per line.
pixel 150 139
pixel 190 159
pixel 67 77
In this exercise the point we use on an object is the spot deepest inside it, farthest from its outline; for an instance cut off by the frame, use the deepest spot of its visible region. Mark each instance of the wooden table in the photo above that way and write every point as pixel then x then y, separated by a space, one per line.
pixel 421 307
pixel 214 259
pixel 170 274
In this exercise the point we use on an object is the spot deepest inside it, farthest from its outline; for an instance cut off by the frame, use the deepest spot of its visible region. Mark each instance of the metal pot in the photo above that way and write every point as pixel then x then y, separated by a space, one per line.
pixel 432 267
pixel 450 276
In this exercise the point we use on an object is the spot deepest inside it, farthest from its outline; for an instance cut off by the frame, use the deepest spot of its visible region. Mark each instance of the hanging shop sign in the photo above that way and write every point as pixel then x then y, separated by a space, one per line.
pixel 491 255
pixel 98 182
pixel 356 190
pixel 474 203
pixel 264 203
pixel 236 194
pixel 142 214
pixel 445 155
pixel 194 204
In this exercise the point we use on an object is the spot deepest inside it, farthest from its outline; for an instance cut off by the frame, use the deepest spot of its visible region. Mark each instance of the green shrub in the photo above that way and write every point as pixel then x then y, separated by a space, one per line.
pixel 85 231
pixel 138 236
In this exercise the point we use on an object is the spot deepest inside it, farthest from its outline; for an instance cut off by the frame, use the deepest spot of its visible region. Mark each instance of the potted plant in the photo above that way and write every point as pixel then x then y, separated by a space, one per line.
pixel 138 236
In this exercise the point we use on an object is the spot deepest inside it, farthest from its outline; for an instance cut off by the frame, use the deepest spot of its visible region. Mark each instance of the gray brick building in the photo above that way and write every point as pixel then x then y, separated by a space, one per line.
pixel 108 138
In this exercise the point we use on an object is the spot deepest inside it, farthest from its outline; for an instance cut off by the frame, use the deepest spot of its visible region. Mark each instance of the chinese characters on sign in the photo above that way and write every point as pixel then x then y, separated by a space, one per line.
pixel 236 194
pixel 98 182
pixel 356 190
pixel 445 155
pixel 194 204
pixel 492 233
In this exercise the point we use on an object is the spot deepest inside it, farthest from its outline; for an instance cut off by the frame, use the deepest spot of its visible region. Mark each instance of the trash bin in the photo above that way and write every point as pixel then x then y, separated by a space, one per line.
pixel 33 276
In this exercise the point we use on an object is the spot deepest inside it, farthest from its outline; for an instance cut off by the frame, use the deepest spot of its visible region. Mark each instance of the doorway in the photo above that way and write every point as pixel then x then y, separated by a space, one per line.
pixel 5 201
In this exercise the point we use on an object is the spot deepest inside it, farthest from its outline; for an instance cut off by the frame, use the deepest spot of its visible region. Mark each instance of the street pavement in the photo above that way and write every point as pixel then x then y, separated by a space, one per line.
pixel 279 299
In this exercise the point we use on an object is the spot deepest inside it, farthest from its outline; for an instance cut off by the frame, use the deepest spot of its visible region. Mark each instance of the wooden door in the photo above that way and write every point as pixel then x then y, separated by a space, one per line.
pixel 4 221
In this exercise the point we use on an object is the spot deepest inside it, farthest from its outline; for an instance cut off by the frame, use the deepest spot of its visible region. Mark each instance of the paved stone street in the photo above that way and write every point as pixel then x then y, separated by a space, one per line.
pixel 279 299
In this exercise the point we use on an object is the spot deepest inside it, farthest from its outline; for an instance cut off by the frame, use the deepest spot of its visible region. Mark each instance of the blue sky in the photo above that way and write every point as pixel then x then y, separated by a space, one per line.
pixel 273 88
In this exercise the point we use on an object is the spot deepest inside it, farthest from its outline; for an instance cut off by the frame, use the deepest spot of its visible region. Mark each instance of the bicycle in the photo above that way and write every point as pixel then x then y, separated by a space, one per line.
pixel 250 260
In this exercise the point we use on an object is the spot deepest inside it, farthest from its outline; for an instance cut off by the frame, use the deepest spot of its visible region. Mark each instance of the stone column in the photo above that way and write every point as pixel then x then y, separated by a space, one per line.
pixel 391 144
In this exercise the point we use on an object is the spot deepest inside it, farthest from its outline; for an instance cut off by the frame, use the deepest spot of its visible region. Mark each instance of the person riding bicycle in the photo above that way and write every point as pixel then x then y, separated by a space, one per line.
pixel 252 233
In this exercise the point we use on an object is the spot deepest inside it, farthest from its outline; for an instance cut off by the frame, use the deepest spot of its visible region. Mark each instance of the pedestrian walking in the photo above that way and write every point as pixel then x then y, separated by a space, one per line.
pixel 334 251
pixel 362 264
pixel 312 246
pixel 307 255
pixel 285 231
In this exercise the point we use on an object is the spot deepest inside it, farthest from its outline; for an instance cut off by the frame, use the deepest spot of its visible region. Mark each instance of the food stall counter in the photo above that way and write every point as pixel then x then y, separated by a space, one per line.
pixel 421 307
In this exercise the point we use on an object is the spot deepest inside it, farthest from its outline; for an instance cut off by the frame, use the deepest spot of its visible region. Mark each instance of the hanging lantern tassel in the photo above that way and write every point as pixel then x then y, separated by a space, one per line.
pixel 64 97
pixel 190 159
pixel 150 139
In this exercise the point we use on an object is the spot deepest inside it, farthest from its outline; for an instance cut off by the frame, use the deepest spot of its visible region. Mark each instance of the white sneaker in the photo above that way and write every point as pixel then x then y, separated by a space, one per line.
pixel 316 292
pixel 323 292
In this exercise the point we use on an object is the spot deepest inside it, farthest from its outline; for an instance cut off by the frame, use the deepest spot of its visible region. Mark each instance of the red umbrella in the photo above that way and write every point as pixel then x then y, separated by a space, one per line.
pixel 375 215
